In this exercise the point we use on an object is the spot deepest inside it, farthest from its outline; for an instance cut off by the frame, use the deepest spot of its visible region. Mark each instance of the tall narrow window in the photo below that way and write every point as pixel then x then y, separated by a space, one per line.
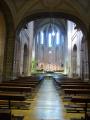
pixel 42 38
pixel 50 40
pixel 53 33
pixel 37 38
pixel 62 39
pixel 57 38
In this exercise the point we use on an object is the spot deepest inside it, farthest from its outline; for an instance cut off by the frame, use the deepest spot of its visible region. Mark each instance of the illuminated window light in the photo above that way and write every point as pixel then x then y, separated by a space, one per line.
pixel 50 40
pixel 53 33
pixel 42 38
pixel 57 38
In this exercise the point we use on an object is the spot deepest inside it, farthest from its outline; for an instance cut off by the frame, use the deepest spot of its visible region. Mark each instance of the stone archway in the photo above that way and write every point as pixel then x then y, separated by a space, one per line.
pixel 79 23
pixel 48 14
pixel 9 42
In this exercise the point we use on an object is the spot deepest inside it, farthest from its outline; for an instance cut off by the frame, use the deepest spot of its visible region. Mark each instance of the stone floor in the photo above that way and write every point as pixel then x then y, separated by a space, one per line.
pixel 46 105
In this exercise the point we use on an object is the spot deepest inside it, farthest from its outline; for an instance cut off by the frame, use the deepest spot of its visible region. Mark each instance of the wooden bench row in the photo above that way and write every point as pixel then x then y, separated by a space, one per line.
pixel 76 92
pixel 16 90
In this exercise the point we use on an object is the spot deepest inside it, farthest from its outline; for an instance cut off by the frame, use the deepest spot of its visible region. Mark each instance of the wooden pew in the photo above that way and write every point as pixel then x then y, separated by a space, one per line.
pixel 80 97
pixel 85 100
pixel 13 88
pixel 30 88
pixel 27 79
pixel 5 115
pixel 12 96
pixel 32 85
pixel 75 83
pixel 77 91
pixel 20 86
pixel 69 81
pixel 22 105
pixel 75 86
pixel 72 85
pixel 24 82
pixel 33 77
pixel 17 89
pixel 9 97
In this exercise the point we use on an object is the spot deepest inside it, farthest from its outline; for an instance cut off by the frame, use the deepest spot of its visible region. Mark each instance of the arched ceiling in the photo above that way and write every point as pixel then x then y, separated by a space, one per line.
pixel 40 23
pixel 22 8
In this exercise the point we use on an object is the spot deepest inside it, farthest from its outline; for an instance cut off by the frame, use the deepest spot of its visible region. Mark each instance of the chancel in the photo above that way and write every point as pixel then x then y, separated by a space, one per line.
pixel 49 41
pixel 44 60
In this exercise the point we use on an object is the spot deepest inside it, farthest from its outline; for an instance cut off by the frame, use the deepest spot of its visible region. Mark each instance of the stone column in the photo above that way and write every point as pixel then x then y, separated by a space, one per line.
pixel 88 44
pixel 9 56
pixel 31 33
pixel 2 42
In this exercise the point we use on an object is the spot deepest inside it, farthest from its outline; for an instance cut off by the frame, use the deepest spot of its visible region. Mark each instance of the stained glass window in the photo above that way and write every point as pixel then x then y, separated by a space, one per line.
pixel 42 38
pixel 57 38
pixel 50 40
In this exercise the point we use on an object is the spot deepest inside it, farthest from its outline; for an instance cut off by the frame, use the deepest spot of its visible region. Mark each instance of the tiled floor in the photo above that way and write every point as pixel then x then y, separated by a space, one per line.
pixel 47 104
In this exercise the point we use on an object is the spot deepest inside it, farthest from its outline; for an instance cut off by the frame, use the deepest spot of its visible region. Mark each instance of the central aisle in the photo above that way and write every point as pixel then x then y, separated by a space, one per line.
pixel 47 104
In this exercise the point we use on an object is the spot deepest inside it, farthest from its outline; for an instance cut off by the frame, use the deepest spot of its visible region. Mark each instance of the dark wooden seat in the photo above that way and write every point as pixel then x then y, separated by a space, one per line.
pixel 78 99
pixel 5 115
pixel 12 96
pixel 13 92
pixel 75 86
pixel 9 97
pixel 85 100
pixel 19 89
pixel 32 85
pixel 77 91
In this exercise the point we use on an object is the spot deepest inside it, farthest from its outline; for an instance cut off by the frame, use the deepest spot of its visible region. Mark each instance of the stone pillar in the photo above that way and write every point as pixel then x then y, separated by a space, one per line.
pixel 88 44
pixel 16 62
pixel 7 71
pixel 2 42
pixel 9 56
pixel 31 41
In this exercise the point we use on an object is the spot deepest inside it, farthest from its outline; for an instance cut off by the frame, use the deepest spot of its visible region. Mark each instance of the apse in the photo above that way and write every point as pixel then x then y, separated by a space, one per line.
pixel 50 44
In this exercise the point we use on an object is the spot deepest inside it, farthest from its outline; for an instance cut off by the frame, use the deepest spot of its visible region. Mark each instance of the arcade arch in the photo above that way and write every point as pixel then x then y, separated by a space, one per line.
pixel 79 25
